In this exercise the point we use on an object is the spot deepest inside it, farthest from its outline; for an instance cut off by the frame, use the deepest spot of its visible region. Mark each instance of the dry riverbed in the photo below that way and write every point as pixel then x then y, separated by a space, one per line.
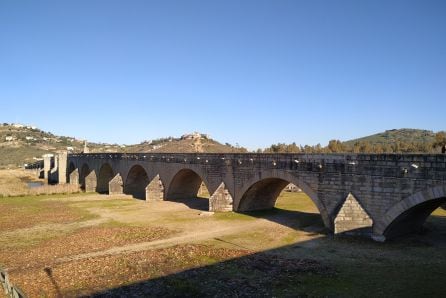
pixel 97 245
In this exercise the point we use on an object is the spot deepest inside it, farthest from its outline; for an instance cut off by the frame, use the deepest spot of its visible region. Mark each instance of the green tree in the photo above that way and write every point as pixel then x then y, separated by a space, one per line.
pixel 318 148
pixel 440 139
pixel 378 148
pixel 293 148
pixel 335 146
pixel 308 149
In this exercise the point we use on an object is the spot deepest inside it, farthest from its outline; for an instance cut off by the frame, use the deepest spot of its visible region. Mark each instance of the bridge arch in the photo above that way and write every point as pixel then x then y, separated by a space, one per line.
pixel 262 192
pixel 85 171
pixel 136 182
pixel 106 174
pixel 185 184
pixel 409 214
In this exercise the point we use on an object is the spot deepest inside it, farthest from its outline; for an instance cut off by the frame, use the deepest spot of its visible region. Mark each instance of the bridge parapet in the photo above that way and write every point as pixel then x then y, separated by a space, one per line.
pixel 330 162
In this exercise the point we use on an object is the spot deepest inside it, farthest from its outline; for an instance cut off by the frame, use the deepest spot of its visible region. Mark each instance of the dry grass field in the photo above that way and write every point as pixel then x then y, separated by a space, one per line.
pixel 97 245
pixel 14 183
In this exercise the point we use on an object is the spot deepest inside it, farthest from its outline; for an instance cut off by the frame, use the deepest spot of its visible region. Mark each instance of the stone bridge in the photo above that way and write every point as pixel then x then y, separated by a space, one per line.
pixel 380 195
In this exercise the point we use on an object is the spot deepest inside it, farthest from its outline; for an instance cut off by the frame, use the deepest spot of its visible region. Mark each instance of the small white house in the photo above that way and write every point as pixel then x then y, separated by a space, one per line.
pixel 9 138
pixel 69 148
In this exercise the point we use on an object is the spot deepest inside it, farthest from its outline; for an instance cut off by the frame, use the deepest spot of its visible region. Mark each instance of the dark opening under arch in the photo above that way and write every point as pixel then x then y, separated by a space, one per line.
pixel 262 194
pixel 188 188
pixel 136 182
pixel 289 205
pixel 184 185
pixel 413 219
pixel 105 175
pixel 85 171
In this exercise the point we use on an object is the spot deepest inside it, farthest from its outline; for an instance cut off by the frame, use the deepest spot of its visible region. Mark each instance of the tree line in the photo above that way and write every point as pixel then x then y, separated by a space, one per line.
pixel 336 146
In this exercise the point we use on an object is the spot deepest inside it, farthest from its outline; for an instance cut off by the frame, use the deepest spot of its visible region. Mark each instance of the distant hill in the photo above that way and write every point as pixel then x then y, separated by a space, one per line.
pixel 20 144
pixel 185 146
pixel 389 137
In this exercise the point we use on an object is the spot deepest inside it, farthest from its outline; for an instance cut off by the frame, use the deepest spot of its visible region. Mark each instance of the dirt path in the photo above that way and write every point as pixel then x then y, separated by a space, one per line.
pixel 190 225
pixel 202 227
pixel 191 237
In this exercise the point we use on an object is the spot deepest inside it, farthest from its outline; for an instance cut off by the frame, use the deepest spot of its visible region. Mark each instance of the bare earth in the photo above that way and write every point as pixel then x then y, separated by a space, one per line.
pixel 97 245
pixel 96 227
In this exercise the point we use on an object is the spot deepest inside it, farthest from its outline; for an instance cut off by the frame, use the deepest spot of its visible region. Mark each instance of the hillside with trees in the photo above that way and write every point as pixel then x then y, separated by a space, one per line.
pixel 20 144
pixel 390 141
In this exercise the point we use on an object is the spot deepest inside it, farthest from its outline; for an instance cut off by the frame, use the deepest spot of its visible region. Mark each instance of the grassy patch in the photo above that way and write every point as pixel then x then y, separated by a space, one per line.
pixel 287 201
pixel 378 280
pixel 107 202
pixel 26 239
pixel 295 201
pixel 25 212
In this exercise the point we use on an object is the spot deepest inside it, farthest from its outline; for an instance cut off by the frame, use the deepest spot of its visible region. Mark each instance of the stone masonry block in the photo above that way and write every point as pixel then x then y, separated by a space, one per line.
pixel 74 177
pixel 155 190
pixel 116 186
pixel 91 182
pixel 221 200
pixel 352 218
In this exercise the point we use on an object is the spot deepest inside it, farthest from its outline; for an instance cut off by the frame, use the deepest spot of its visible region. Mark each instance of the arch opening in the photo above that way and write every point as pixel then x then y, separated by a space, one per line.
pixel 186 186
pixel 136 182
pixel 413 220
pixel 85 171
pixel 287 203
pixel 106 174
pixel 262 194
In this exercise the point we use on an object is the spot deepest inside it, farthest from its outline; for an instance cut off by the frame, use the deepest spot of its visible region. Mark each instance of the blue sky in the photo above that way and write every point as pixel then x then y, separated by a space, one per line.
pixel 247 72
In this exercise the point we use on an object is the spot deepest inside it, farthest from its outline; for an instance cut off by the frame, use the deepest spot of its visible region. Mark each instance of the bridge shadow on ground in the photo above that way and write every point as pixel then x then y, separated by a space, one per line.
pixel 432 233
pixel 253 275
pixel 298 220
pixel 323 266
pixel 198 203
